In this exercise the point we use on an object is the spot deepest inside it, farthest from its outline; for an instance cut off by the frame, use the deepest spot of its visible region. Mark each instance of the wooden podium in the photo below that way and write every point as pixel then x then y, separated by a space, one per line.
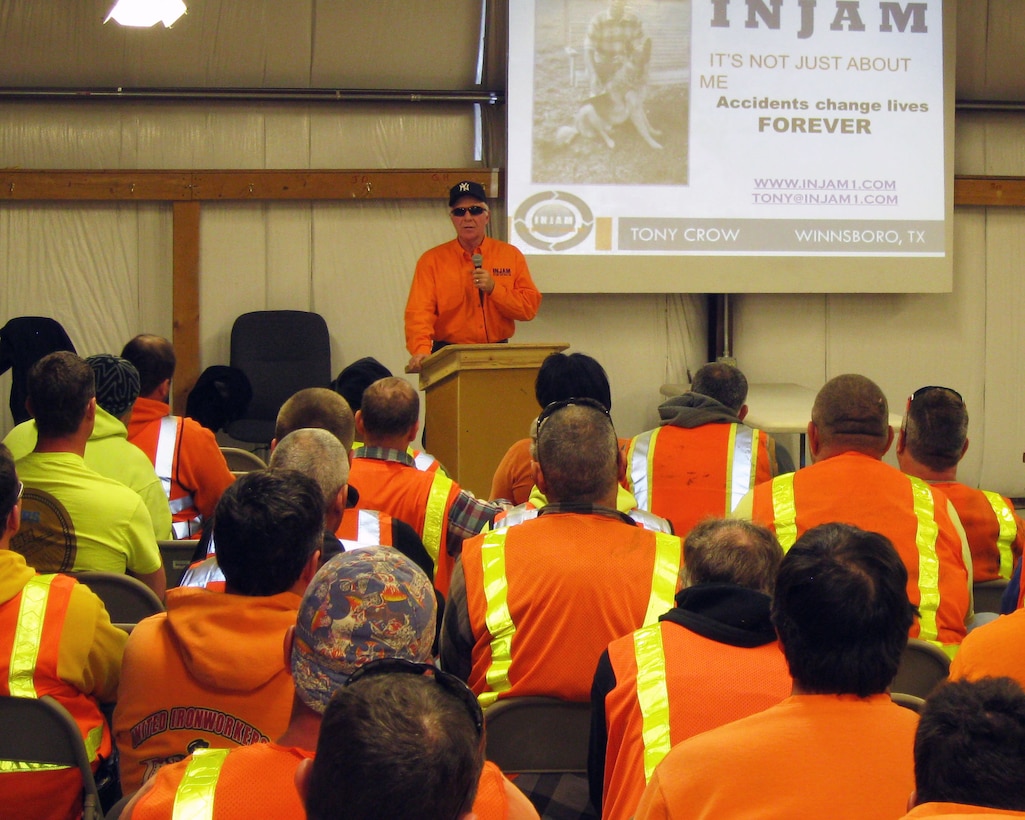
pixel 480 400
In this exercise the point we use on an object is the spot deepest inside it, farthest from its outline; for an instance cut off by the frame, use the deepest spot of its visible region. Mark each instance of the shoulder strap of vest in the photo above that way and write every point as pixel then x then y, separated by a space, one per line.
pixel 652 695
pixel 434 516
pixel 194 799
pixel 497 618
pixel 1007 533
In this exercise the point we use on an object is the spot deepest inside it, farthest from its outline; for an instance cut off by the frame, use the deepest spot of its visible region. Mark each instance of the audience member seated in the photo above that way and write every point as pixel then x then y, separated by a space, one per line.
pixel 993 650
pixel 108 450
pixel 711 660
pixel 315 453
pixel 353 381
pixel 73 518
pixel 208 672
pixel 59 642
pixel 933 439
pixel 970 752
pixel 532 607
pixel 702 459
pixel 838 747
pixel 320 407
pixel 370 604
pixel 561 376
pixel 848 435
pixel 441 513
pixel 405 746
pixel 185 454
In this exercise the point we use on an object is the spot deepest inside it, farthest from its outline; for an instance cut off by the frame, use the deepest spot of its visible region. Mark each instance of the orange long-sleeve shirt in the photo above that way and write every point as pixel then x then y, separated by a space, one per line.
pixel 443 304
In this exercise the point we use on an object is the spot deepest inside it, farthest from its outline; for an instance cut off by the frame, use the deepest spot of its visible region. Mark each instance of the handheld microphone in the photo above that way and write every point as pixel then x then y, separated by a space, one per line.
pixel 478 260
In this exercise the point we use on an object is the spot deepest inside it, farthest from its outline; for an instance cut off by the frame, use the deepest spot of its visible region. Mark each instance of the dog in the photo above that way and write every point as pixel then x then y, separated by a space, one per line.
pixel 622 100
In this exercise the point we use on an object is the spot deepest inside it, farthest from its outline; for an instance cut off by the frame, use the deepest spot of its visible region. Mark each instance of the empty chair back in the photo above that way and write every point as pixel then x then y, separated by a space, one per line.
pixel 40 731
pixel 988 594
pixel 538 735
pixel 127 599
pixel 242 461
pixel 177 556
pixel 280 352
pixel 922 666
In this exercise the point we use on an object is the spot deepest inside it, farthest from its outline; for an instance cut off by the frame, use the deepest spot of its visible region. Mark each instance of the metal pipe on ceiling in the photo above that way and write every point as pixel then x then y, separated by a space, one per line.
pixel 279 95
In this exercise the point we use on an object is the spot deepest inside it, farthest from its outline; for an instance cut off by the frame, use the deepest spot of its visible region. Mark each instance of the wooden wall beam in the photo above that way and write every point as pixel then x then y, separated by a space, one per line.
pixel 185 301
pixel 179 186
pixel 990 191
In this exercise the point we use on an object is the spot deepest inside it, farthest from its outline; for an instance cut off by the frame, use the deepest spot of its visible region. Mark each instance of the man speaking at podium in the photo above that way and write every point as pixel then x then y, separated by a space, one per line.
pixel 471 290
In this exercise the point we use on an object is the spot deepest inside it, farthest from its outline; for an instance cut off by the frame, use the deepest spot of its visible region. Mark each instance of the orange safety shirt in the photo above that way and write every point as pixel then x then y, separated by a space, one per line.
pixel 443 304
pixel 835 756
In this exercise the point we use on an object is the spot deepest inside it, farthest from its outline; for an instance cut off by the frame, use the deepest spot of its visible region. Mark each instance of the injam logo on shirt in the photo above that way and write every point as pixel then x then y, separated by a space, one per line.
pixel 553 221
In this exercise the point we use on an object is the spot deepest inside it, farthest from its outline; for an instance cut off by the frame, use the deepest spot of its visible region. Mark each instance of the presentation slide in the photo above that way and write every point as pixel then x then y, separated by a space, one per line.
pixel 731 145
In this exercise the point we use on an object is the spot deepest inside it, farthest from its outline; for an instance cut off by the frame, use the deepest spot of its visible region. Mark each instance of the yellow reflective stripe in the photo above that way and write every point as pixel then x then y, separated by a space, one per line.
pixel 731 447
pixel 784 510
pixel 652 696
pixel 434 517
pixel 9 766
pixel 668 557
pixel 28 637
pixel 93 739
pixel 497 617
pixel 928 560
pixel 194 799
pixel 1008 531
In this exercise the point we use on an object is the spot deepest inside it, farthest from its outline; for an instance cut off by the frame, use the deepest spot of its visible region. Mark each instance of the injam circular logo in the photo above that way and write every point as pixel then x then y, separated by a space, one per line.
pixel 553 221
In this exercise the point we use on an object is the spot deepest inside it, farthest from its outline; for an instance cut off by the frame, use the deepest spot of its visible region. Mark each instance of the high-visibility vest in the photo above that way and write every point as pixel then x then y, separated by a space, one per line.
pixel 882 499
pixel 686 474
pixel 36 627
pixel 492 587
pixel 365 528
pixel 163 463
pixel 671 684
pixel 194 799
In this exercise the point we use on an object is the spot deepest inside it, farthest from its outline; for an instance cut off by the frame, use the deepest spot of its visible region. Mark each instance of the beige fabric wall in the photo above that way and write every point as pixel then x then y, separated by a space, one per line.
pixel 104 270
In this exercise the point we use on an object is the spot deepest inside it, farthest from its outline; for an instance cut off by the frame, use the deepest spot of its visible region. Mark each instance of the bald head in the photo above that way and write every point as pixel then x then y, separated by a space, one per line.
pixel 153 356
pixel 317 407
pixel 390 408
pixel 850 413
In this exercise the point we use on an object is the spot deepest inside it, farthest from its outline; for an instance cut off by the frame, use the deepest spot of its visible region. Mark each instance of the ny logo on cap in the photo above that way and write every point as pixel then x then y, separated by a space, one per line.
pixel 464 186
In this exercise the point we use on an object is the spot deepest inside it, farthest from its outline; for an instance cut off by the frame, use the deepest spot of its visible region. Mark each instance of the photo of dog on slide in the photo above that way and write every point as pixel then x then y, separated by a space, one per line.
pixel 621 101
pixel 622 117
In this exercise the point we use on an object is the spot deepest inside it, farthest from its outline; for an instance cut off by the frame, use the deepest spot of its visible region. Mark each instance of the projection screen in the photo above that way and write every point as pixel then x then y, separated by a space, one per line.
pixel 732 145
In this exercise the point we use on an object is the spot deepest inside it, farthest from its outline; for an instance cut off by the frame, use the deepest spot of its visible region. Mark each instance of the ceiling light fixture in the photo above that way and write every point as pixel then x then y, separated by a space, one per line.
pixel 146 13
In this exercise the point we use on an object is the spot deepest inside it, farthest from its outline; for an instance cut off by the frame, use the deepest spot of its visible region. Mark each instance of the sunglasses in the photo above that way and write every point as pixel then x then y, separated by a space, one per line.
pixel 473 210
pixel 556 406
pixel 447 681
pixel 918 394
pixel 921 390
